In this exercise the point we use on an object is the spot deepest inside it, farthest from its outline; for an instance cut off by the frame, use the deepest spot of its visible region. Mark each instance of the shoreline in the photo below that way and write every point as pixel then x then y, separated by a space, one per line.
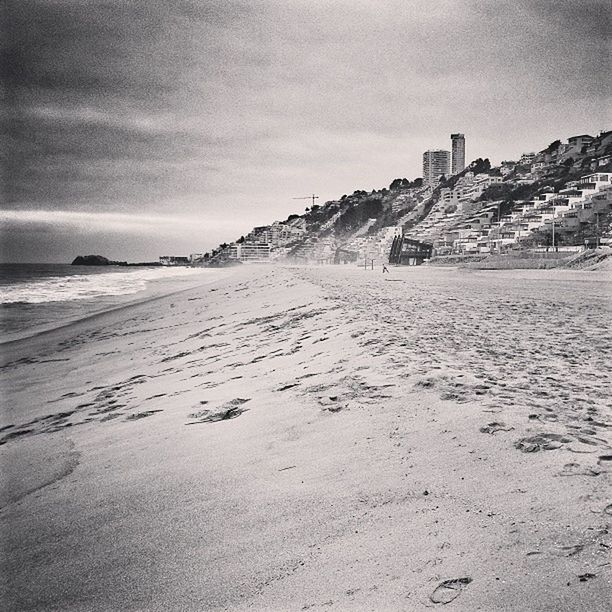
pixel 158 289
pixel 319 439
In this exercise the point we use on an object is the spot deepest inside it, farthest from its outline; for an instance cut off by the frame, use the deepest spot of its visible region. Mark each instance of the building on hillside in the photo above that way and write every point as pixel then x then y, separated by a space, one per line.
pixel 448 196
pixel 579 141
pixel 604 160
pixel 458 153
pixel 574 149
pixel 537 166
pixel 527 159
pixel 232 251
pixel 595 182
pixel 252 252
pixel 599 144
pixel 467 189
pixel 276 235
pixel 436 163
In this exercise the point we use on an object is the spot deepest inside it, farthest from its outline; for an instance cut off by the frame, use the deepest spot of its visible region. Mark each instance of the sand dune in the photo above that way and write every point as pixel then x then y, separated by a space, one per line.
pixel 317 439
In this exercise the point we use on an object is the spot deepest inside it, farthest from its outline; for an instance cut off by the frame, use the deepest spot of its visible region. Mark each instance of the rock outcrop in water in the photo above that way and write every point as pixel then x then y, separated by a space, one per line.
pixel 96 260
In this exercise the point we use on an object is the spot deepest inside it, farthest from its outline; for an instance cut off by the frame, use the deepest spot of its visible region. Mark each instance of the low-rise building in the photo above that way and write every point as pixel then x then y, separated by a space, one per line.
pixel 173 260
pixel 277 234
pixel 527 159
pixel 251 252
pixel 580 140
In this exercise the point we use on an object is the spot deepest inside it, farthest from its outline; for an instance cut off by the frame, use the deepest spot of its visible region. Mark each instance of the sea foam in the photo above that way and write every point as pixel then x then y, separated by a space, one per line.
pixel 89 286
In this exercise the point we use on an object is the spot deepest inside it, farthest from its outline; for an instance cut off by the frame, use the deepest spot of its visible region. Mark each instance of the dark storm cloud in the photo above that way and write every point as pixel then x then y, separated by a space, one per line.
pixel 92 81
pixel 560 47
pixel 135 49
pixel 196 107
pixel 57 156
pixel 590 18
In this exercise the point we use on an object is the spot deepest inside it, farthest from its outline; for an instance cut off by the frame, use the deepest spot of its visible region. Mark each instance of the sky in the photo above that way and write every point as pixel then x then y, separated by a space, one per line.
pixel 134 129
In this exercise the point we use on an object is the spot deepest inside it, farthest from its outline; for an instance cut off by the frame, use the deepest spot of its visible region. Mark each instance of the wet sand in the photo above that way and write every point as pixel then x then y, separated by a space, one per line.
pixel 317 439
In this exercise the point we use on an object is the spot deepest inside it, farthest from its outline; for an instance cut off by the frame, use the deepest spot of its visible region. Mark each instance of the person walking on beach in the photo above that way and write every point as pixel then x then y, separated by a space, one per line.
pixel 385 269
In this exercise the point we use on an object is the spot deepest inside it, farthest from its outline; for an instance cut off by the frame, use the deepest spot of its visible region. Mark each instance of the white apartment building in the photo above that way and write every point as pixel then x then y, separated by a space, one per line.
pixel 277 234
pixel 468 188
pixel 527 159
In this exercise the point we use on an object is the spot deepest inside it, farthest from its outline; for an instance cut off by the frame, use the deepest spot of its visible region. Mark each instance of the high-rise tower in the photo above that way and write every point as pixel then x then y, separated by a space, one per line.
pixel 435 164
pixel 458 149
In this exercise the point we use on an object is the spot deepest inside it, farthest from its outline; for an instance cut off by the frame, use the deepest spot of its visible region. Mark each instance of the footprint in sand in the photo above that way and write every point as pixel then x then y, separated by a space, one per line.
pixel 15 434
pixel 448 590
pixel 491 428
pixel 229 410
pixel 543 417
pixel 568 551
pixel 605 461
pixel 543 441
pixel 575 469
pixel 141 415
pixel 287 386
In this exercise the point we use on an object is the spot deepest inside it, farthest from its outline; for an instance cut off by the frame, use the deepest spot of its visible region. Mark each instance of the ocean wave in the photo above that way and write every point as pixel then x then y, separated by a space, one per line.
pixel 88 286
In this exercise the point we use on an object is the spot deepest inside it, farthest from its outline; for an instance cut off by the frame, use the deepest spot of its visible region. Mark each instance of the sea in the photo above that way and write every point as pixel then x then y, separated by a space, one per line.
pixel 38 297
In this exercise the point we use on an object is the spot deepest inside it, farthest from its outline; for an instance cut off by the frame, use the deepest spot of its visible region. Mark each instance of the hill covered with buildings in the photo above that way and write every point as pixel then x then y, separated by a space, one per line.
pixel 558 197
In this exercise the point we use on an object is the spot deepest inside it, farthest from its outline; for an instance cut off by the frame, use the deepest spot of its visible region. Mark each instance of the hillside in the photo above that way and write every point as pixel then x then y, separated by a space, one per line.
pixel 560 195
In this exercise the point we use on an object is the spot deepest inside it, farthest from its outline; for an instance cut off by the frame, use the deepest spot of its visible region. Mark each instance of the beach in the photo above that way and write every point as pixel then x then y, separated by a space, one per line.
pixel 324 438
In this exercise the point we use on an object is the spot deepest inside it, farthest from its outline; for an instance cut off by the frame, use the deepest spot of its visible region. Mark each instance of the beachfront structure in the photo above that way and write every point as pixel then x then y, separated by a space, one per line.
pixel 458 153
pixel 344 256
pixel 373 246
pixel 409 252
pixel 249 252
pixel 264 242
pixel 436 163
pixel 172 260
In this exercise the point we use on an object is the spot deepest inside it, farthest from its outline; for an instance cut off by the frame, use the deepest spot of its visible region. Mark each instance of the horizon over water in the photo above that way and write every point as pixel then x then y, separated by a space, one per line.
pixel 37 297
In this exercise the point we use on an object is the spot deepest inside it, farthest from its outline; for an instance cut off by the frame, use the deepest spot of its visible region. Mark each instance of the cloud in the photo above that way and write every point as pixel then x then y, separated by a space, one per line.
pixel 225 107
pixel 60 235
pixel 84 115
pixel 111 222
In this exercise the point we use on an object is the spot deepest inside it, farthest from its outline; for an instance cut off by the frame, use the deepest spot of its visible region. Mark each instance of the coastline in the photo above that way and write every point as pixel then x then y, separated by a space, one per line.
pixel 156 289
pixel 312 438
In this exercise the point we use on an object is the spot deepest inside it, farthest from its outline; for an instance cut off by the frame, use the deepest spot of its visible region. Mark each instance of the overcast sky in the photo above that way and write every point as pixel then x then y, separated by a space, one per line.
pixel 140 128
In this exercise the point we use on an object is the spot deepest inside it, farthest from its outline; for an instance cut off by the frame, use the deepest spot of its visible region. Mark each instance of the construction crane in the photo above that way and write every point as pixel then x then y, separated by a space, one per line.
pixel 312 197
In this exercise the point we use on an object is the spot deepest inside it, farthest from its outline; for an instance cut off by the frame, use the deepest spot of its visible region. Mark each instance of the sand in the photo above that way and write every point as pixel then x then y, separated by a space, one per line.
pixel 316 439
